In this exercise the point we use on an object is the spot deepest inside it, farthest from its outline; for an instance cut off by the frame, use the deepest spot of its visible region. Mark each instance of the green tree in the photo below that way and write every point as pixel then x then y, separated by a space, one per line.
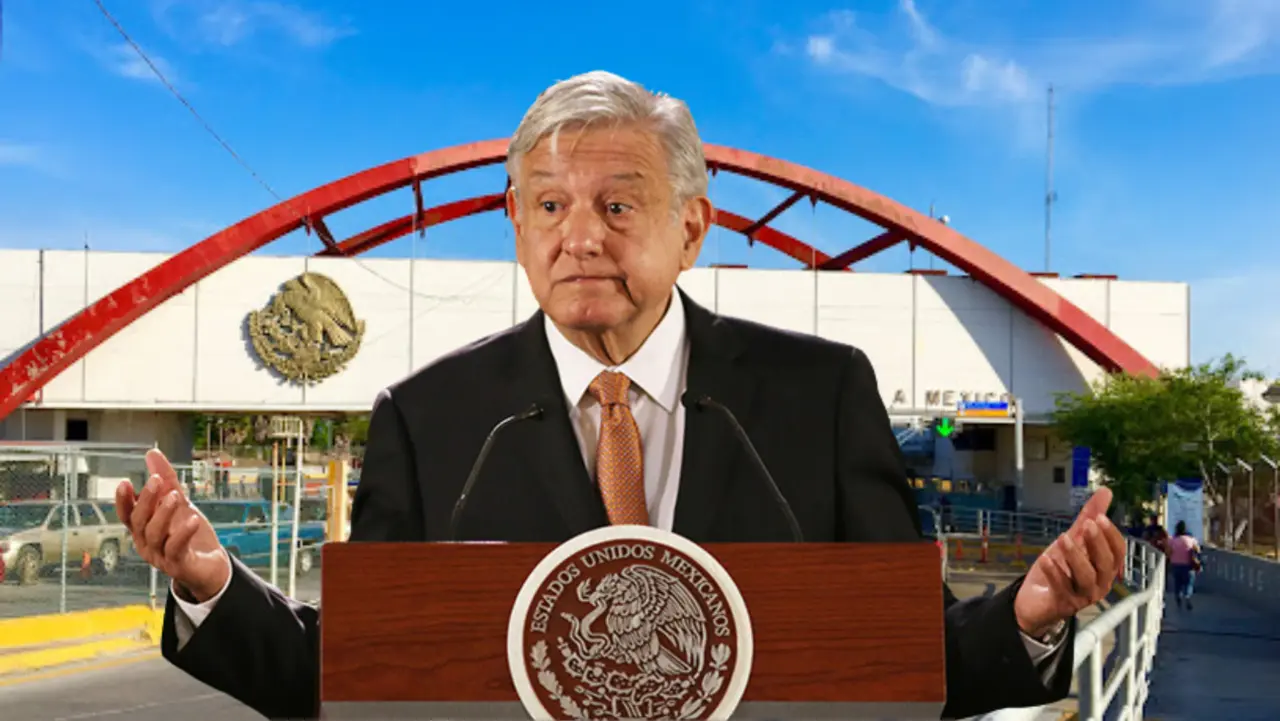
pixel 352 430
pixel 1182 423
pixel 236 430
pixel 322 434
pixel 200 430
pixel 211 430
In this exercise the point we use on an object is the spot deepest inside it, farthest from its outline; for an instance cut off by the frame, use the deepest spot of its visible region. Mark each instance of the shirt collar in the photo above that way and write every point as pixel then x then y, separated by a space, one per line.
pixel 653 369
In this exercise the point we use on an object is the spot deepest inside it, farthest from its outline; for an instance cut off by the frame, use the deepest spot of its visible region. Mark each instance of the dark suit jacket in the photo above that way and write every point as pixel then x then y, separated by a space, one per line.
pixel 811 407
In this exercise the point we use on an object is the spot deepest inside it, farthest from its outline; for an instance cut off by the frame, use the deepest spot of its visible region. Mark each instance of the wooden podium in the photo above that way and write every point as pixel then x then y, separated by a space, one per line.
pixel 842 631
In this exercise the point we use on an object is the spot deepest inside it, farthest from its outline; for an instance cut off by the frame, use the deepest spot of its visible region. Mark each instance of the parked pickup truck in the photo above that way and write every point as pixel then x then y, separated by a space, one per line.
pixel 244 529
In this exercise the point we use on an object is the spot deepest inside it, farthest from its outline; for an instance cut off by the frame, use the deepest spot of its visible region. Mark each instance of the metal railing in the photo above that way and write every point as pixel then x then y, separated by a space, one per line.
pixel 974 522
pixel 1114 683
pixel 1112 680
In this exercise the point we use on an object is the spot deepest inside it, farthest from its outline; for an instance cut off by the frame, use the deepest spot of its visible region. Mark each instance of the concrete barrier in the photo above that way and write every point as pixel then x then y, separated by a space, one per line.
pixel 1251 580
pixel 38 642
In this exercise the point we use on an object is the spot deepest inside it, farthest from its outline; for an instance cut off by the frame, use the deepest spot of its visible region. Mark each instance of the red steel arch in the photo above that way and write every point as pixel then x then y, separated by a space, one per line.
pixel 52 353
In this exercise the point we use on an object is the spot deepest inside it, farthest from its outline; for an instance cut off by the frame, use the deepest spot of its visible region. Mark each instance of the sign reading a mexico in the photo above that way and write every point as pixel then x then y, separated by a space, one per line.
pixel 629 622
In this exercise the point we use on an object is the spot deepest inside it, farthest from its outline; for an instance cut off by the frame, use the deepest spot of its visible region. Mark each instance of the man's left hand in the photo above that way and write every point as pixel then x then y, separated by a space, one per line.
pixel 1074 572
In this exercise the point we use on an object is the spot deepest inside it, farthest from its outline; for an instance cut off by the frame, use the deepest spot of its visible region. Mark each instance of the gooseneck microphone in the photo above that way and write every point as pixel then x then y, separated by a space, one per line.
pixel 697 401
pixel 533 412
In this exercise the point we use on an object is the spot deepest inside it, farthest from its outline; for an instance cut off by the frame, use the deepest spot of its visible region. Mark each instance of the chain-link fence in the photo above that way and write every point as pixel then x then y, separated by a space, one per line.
pixel 1248 518
pixel 63 547
pixel 282 546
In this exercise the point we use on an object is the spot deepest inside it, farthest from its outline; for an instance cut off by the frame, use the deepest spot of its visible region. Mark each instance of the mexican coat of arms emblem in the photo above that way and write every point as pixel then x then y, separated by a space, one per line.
pixel 308 331
pixel 629 622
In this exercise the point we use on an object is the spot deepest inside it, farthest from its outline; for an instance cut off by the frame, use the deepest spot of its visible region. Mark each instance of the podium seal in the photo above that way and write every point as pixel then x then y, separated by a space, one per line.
pixel 629 622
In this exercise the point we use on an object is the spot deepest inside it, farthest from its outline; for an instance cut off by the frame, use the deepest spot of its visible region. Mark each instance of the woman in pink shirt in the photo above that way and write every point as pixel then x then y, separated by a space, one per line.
pixel 1184 561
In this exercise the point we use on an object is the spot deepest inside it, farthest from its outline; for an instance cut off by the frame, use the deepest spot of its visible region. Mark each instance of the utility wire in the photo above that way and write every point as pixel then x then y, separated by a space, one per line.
pixel 195 113
pixel 466 297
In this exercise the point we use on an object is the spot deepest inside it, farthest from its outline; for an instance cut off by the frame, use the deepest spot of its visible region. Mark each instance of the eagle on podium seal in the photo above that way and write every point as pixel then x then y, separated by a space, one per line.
pixel 629 622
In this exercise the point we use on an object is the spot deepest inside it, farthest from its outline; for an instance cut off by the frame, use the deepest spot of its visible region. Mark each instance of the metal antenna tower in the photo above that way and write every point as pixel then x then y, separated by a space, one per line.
pixel 1050 195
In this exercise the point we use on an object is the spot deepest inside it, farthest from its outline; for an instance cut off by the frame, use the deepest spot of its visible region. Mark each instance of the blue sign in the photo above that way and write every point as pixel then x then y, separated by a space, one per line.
pixel 983 406
pixel 1080 459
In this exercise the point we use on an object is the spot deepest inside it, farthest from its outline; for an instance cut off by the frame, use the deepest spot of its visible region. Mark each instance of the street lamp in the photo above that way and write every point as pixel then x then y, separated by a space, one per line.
pixel 1275 503
pixel 1230 520
pixel 1249 467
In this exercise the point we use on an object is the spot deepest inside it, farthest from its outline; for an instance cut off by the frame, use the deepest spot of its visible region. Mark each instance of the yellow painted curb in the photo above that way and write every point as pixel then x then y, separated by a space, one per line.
pixel 62 655
pixel 29 631
pixel 40 642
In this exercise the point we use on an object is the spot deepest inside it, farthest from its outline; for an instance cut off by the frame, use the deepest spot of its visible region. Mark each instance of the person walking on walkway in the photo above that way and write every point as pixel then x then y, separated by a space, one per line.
pixel 1155 534
pixel 1184 560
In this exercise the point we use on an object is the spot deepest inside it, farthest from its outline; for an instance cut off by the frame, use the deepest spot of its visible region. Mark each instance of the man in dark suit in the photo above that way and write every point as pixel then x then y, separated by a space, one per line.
pixel 609 206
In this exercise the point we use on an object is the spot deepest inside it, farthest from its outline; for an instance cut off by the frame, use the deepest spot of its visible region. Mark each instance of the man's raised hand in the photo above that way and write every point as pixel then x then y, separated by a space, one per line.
pixel 1075 571
pixel 171 534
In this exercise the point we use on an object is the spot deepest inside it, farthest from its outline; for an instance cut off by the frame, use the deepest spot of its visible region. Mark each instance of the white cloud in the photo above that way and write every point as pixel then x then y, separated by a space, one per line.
pixel 1210 40
pixel 820 48
pixel 124 61
pixel 228 23
pixel 30 156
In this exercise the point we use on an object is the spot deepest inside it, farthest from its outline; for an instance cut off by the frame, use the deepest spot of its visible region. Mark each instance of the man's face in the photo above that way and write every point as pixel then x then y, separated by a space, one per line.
pixel 597 227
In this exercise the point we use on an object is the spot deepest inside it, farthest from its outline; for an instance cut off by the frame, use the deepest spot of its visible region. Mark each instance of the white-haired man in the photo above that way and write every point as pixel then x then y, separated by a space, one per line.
pixel 609 205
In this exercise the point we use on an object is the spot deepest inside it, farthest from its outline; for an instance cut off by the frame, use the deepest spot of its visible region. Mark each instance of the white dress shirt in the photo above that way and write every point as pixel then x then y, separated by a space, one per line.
pixel 658 372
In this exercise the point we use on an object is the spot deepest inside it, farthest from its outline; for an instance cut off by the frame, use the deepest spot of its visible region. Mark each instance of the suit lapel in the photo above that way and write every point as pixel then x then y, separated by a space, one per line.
pixel 552 453
pixel 712 452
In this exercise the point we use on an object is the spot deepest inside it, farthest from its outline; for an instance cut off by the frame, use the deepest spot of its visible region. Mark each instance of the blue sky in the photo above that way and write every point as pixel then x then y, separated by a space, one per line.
pixel 1167 158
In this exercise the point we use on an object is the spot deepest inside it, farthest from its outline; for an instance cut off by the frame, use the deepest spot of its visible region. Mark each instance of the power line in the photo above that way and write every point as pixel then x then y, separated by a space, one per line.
pixel 174 91
pixel 244 164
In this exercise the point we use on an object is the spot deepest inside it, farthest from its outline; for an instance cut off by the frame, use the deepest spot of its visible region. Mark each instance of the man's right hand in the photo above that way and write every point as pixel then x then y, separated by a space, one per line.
pixel 171 534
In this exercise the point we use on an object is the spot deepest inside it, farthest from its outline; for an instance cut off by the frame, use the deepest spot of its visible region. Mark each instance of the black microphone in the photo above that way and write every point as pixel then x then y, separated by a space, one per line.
pixel 533 412
pixel 698 401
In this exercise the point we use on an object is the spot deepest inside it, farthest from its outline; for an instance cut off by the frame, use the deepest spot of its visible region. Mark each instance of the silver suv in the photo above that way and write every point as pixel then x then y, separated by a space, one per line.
pixel 31 536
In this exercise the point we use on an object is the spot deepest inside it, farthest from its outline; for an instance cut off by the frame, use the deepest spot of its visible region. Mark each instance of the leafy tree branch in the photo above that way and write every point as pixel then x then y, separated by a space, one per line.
pixel 1180 424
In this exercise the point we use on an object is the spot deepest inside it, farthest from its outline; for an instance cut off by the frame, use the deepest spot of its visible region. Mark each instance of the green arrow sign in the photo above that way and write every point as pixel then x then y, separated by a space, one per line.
pixel 945 427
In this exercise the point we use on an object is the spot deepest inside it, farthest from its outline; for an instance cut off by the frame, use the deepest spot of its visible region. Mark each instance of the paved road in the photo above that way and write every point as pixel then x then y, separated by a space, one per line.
pixel 144 688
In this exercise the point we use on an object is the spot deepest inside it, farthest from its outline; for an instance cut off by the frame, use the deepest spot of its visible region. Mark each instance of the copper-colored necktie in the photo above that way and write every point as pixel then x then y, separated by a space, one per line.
pixel 619 459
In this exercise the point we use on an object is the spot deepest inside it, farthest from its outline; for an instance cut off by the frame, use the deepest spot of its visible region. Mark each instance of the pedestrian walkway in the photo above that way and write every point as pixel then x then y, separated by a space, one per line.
pixel 1218 661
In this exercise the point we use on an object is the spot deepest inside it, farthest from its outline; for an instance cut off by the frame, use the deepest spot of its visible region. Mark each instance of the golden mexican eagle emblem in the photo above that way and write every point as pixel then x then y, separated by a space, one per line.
pixel 307 332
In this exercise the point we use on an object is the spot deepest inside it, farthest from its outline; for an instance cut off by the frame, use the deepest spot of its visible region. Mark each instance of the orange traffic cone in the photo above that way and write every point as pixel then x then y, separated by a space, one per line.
pixel 86 566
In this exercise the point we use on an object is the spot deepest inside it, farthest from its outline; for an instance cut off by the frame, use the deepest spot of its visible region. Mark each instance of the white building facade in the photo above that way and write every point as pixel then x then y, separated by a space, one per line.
pixel 934 341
